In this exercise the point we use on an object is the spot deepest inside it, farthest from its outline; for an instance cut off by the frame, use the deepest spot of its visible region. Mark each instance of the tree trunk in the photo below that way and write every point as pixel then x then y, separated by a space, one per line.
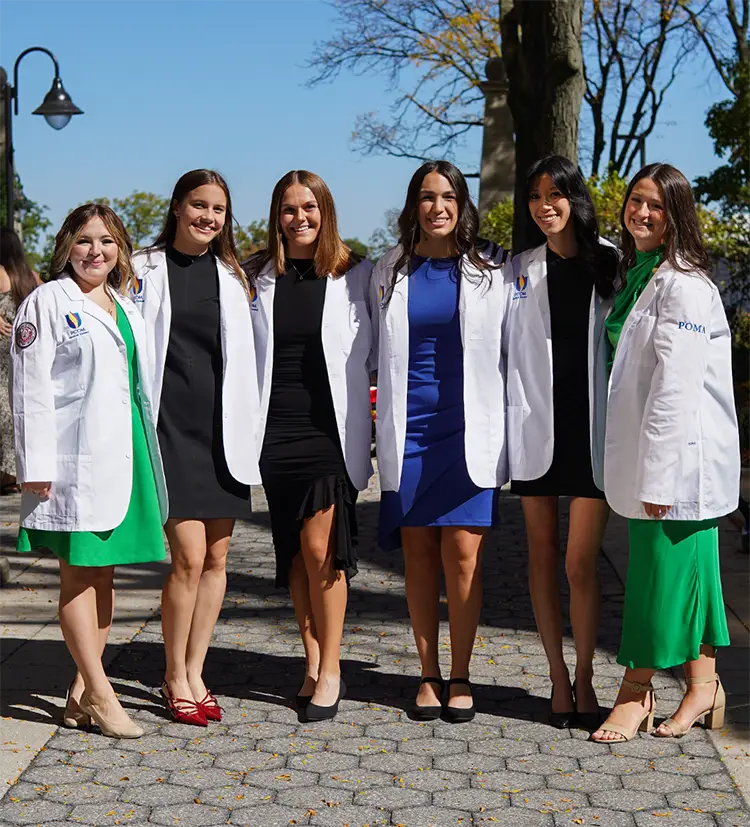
pixel 542 52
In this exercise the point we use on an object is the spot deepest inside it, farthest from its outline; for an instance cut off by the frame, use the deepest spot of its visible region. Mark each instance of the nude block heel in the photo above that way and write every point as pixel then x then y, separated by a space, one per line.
pixel 714 715
pixel 646 723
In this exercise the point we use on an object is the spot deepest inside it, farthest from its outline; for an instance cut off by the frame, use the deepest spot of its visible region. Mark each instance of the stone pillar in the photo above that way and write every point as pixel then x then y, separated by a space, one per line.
pixel 497 175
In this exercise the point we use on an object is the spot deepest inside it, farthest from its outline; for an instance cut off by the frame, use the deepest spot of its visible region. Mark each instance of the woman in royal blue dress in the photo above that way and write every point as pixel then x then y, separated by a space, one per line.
pixel 440 417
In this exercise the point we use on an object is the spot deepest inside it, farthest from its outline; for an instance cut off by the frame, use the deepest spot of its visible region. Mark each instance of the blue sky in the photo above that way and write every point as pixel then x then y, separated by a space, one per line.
pixel 168 86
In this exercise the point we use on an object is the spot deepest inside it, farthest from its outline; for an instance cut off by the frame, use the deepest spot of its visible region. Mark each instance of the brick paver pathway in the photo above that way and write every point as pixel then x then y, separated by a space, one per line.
pixel 262 767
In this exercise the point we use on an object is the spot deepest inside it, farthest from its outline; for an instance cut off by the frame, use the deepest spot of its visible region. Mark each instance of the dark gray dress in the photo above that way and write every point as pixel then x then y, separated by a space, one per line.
pixel 199 484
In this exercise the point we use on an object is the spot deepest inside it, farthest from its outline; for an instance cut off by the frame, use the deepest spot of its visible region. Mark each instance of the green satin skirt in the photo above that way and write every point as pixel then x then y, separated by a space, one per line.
pixel 673 597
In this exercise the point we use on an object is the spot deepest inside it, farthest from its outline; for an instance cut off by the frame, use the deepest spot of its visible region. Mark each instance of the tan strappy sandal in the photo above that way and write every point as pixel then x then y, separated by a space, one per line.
pixel 714 715
pixel 644 725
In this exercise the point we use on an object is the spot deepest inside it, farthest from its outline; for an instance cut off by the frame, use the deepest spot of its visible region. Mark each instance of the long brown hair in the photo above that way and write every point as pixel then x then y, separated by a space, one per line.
pixel 13 258
pixel 683 240
pixel 332 256
pixel 121 277
pixel 223 246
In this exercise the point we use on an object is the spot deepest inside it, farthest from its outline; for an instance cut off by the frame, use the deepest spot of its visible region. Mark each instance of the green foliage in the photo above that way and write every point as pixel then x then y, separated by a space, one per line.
pixel 608 193
pixel 31 216
pixel 728 124
pixel 497 225
pixel 252 238
pixel 357 246
pixel 142 213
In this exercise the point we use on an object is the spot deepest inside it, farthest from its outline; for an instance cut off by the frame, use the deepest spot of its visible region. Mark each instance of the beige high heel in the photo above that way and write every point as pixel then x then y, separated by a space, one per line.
pixel 128 730
pixel 644 725
pixel 714 715
pixel 74 720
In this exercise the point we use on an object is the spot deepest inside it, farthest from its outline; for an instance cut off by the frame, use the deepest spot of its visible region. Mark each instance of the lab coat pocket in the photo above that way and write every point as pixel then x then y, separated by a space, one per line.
pixel 71 494
pixel 640 345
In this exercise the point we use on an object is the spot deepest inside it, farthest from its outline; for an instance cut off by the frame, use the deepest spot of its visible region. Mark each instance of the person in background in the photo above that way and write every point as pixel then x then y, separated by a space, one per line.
pixel 312 322
pixel 86 448
pixel 559 291
pixel 672 459
pixel 193 296
pixel 17 280
pixel 440 418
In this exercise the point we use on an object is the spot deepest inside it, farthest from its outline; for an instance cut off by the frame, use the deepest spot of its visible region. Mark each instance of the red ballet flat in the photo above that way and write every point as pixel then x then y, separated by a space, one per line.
pixel 188 711
pixel 210 707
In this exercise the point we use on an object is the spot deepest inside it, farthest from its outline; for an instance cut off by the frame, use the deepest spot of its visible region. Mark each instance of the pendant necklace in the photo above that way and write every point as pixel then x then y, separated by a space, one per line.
pixel 301 276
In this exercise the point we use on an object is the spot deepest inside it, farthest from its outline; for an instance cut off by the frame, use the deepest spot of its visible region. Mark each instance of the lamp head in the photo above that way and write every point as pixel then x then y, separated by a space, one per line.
pixel 57 107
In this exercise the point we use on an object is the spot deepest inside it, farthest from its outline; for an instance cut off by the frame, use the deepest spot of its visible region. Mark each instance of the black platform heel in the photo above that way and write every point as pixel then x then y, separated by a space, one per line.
pixel 427 713
pixel 456 714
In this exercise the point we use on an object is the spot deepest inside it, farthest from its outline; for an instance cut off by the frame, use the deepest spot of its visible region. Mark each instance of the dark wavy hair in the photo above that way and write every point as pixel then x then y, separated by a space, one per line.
pixel 466 239
pixel 12 257
pixel 600 260
pixel 683 239
pixel 223 246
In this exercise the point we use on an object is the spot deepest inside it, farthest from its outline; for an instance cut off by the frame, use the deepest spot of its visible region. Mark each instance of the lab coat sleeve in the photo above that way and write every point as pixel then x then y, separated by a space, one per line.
pixel 32 395
pixel 373 294
pixel 681 341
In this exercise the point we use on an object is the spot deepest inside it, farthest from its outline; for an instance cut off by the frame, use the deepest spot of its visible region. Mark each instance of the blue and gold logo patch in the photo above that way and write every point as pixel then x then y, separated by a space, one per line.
pixel 522 283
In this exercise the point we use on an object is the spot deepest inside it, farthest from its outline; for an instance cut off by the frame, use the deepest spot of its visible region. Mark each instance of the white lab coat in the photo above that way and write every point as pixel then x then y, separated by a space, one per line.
pixel 527 339
pixel 672 434
pixel 239 395
pixel 346 334
pixel 72 410
pixel 481 320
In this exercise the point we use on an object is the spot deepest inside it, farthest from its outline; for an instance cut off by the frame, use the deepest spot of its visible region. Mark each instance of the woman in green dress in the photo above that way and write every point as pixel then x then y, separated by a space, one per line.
pixel 86 448
pixel 671 460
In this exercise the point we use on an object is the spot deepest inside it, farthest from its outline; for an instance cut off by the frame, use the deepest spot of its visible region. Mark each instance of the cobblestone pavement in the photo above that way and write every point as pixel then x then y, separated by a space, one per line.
pixel 262 767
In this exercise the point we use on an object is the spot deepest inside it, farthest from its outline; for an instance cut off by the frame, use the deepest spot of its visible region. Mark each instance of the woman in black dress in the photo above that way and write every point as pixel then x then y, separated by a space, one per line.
pixel 193 296
pixel 557 299
pixel 311 319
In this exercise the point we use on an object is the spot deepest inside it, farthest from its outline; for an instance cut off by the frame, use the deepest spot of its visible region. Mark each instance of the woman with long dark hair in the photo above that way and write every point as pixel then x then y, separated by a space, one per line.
pixel 311 319
pixel 194 297
pixel 88 459
pixel 672 460
pixel 440 417
pixel 558 294
pixel 17 280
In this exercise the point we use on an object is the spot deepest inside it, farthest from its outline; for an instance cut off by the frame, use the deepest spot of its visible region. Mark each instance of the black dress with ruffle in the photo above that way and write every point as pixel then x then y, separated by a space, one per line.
pixel 301 464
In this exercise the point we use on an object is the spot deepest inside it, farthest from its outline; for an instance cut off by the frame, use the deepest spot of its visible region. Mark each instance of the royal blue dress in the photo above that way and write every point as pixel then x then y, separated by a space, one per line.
pixel 435 489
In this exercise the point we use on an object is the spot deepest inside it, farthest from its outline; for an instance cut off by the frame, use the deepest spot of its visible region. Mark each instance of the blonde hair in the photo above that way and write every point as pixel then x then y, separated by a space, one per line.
pixel 121 277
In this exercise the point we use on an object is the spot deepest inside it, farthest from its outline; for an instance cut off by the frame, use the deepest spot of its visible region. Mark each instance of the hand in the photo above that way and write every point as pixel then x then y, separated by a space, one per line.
pixel 41 489
pixel 655 510
pixel 5 328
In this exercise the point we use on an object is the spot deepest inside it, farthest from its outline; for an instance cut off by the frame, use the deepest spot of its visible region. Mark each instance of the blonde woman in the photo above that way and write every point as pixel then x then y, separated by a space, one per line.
pixel 86 450
pixel 311 318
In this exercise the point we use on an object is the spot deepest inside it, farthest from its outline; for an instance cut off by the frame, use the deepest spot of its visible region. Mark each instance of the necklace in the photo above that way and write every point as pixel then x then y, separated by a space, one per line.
pixel 112 309
pixel 301 276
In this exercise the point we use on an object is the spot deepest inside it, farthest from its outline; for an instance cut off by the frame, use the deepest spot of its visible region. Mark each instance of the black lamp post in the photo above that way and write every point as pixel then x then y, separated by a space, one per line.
pixel 57 109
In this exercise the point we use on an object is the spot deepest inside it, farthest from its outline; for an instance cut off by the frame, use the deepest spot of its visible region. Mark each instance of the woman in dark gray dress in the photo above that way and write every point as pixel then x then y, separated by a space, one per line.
pixel 194 299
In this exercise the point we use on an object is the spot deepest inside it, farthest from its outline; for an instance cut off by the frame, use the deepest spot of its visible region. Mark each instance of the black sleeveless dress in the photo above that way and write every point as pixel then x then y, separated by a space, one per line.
pixel 199 484
pixel 569 287
pixel 301 463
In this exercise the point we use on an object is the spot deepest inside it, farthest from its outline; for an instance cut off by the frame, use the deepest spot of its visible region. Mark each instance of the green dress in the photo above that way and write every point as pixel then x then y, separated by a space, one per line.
pixel 673 597
pixel 139 537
